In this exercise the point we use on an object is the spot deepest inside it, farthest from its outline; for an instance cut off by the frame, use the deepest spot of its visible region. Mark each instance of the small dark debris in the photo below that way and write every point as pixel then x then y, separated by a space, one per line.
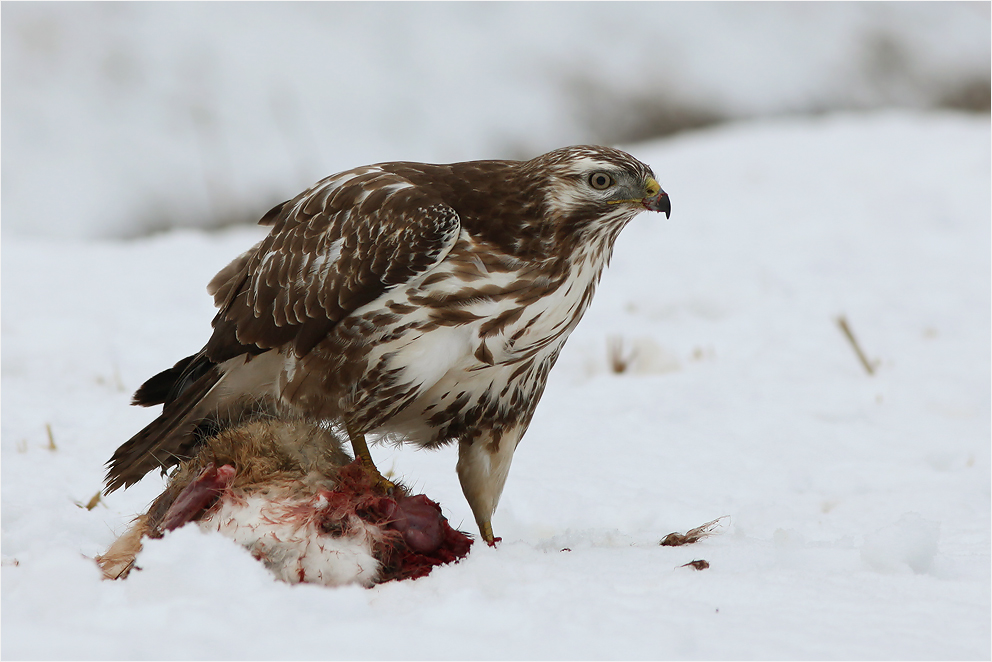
pixel 690 536
pixel 698 564
pixel 619 360
pixel 566 549
pixel 676 539
pixel 92 503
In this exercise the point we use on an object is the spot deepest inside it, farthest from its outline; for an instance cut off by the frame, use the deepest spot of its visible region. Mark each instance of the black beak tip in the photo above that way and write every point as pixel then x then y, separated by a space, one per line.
pixel 660 203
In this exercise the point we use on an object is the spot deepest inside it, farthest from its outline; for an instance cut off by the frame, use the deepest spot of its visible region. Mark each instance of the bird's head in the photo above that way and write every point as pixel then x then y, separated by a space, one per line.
pixel 590 183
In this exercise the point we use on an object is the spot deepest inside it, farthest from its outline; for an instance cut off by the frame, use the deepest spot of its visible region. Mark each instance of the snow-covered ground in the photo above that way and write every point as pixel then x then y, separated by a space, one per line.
pixel 858 506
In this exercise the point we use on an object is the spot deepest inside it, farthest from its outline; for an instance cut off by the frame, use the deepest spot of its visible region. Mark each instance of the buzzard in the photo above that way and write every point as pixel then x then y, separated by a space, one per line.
pixel 416 301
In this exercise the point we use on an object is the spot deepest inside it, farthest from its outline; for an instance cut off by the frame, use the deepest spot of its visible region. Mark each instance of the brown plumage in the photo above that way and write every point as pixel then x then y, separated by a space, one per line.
pixel 424 302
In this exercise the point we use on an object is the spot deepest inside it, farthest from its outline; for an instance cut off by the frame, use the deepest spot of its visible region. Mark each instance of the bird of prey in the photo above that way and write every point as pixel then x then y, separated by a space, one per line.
pixel 414 301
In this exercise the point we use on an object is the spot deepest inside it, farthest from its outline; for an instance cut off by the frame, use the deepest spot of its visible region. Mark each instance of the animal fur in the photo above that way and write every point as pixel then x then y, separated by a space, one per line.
pixel 287 491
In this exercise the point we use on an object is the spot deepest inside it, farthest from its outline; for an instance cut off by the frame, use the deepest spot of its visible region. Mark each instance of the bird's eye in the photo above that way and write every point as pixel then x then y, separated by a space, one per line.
pixel 600 181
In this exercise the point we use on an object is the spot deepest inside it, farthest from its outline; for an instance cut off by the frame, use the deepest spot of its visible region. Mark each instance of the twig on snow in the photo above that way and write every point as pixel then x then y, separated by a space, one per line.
pixel 618 360
pixel 869 366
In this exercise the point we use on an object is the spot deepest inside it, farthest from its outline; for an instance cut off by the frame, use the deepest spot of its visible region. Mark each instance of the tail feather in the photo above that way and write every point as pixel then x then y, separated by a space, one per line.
pixel 201 396
pixel 171 437
pixel 169 384
pixel 156 390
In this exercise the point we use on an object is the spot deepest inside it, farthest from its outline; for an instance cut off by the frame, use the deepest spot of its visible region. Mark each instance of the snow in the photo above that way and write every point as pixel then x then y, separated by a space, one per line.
pixel 857 506
pixel 144 116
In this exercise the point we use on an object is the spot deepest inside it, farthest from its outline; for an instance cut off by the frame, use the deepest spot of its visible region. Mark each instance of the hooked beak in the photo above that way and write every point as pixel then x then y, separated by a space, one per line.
pixel 656 199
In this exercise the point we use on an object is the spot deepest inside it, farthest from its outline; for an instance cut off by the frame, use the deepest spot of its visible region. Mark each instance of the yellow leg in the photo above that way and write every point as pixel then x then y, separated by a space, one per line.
pixel 486 529
pixel 363 455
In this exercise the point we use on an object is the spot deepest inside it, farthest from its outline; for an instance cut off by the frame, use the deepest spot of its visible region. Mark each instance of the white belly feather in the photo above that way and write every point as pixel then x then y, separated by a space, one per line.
pixel 445 361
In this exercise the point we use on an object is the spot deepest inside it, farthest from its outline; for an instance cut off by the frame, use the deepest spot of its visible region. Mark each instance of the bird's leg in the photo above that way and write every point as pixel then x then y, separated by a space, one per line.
pixel 363 455
pixel 483 464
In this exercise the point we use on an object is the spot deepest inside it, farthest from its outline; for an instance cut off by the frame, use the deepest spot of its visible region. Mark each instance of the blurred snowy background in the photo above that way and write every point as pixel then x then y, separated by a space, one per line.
pixel 121 119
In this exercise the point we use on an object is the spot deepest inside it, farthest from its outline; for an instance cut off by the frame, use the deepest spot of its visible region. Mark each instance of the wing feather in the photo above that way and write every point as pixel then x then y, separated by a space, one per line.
pixel 333 249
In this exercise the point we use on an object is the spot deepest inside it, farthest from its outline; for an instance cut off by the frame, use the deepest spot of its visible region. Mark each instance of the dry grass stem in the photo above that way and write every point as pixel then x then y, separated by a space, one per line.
pixel 845 327
pixel 94 500
pixel 619 363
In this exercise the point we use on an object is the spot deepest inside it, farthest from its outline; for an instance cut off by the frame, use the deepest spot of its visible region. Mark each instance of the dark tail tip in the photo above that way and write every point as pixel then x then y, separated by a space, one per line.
pixel 167 385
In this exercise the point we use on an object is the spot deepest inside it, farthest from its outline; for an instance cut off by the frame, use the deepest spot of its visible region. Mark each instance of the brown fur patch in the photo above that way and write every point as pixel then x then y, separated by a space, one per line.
pixel 118 561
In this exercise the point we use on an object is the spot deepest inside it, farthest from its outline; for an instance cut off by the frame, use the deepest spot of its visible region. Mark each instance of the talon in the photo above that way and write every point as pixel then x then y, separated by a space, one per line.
pixel 379 481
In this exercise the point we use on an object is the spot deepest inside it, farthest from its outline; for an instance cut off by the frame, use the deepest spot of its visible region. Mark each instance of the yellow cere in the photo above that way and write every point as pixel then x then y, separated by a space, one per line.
pixel 652 187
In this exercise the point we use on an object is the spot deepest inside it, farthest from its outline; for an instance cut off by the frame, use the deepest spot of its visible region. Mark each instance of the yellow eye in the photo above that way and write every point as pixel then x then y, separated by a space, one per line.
pixel 600 181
